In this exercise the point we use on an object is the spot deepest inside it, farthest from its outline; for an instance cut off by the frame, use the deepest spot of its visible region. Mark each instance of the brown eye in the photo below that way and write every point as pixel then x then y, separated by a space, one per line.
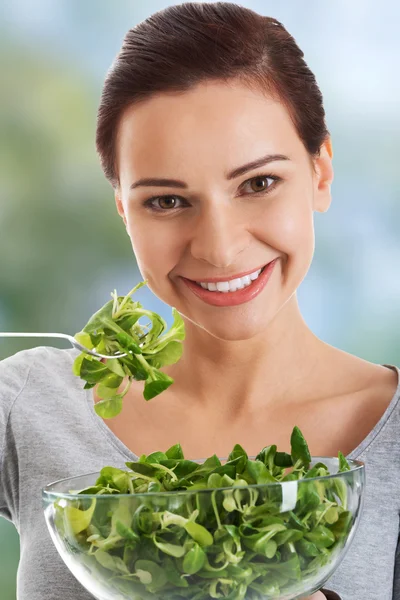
pixel 166 202
pixel 262 184
pixel 259 184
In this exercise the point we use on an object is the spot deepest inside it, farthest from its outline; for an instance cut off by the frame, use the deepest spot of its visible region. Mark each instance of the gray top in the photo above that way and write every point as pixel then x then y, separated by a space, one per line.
pixel 49 430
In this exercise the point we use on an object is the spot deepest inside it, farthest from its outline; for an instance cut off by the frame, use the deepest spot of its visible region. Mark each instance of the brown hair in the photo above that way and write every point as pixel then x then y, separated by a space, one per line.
pixel 183 45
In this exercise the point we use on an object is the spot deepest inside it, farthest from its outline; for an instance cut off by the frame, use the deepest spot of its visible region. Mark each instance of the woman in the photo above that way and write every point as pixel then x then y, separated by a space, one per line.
pixel 212 131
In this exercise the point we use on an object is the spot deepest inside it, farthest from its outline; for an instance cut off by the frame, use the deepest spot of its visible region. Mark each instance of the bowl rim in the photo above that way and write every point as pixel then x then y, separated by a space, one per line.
pixel 47 493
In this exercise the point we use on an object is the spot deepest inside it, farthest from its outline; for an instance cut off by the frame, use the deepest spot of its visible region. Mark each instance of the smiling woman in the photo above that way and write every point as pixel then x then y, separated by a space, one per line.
pixel 211 130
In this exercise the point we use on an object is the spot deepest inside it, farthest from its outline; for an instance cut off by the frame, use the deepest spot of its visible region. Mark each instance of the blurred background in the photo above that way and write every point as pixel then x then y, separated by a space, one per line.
pixel 63 247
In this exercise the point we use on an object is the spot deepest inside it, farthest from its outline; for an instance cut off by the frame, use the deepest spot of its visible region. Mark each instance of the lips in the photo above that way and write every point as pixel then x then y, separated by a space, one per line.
pixel 240 296
pixel 228 277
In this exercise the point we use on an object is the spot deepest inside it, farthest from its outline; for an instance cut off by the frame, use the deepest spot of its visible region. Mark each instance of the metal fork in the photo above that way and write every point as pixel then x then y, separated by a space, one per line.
pixel 65 336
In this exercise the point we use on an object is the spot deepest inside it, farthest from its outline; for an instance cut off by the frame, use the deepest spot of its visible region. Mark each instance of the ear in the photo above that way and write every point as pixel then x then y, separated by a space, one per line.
pixel 120 206
pixel 323 177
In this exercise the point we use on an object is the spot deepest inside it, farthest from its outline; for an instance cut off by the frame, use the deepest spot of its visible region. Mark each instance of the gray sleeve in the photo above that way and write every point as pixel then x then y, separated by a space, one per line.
pixel 14 372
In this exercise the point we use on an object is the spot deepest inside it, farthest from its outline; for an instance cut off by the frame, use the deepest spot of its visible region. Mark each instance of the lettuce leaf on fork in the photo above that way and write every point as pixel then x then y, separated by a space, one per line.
pixel 115 328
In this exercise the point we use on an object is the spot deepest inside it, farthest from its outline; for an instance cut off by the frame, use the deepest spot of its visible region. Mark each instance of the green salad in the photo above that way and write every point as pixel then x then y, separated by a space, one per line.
pixel 116 328
pixel 184 529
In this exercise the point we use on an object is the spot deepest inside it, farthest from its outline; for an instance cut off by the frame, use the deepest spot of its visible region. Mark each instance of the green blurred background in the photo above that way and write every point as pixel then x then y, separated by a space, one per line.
pixel 63 247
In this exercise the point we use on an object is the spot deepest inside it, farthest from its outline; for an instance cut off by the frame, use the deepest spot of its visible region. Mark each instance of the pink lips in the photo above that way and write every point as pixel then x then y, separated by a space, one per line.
pixel 232 298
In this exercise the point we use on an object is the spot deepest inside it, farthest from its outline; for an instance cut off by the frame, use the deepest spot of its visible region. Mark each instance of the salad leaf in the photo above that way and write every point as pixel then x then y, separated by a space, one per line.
pixel 115 328
pixel 234 542
pixel 300 451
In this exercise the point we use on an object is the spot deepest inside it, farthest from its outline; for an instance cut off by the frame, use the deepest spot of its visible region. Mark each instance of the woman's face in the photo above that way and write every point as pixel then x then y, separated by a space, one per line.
pixel 216 224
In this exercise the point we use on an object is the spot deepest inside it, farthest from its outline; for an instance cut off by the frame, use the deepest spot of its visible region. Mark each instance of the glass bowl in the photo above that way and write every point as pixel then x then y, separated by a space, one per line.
pixel 255 542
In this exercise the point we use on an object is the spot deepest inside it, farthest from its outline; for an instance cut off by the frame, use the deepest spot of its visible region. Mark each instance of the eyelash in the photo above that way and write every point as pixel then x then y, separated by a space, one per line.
pixel 149 202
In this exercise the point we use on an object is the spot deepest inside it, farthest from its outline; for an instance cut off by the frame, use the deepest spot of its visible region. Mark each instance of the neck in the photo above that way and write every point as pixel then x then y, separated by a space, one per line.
pixel 235 378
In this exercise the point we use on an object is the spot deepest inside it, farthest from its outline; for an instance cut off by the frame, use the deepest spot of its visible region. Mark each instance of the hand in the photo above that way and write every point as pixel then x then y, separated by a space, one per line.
pixel 316 596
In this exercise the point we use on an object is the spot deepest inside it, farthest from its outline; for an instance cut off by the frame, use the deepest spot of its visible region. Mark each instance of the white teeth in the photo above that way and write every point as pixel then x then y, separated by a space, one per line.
pixel 223 286
pixel 233 285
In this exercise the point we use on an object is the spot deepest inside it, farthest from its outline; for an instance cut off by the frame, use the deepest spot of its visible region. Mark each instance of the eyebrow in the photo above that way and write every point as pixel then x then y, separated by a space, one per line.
pixel 254 164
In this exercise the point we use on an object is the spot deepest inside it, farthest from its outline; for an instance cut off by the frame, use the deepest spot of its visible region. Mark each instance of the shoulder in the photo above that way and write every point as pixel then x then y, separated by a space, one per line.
pixel 34 368
pixel 375 385
pixel 14 372
pixel 349 375
pixel 373 393
pixel 358 390
pixel 382 383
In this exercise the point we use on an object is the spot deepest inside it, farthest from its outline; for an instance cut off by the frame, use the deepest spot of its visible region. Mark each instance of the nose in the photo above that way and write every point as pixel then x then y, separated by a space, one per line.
pixel 219 235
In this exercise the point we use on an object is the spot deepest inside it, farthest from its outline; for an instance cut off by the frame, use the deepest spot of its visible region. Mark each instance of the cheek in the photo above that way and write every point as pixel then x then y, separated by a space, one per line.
pixel 288 226
pixel 157 250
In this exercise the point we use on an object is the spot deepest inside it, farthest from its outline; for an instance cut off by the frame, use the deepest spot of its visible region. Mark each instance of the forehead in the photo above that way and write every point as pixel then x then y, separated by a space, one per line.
pixel 225 122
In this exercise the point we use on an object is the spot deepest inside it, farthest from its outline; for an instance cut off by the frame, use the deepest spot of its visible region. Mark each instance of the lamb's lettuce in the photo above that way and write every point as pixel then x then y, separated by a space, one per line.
pixel 235 542
pixel 116 328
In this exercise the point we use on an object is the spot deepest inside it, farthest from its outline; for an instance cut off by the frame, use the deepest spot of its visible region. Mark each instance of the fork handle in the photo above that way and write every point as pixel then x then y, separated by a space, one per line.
pixel 40 335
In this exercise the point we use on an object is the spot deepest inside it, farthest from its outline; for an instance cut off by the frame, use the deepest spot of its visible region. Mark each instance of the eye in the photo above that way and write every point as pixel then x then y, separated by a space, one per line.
pixel 163 203
pixel 259 184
